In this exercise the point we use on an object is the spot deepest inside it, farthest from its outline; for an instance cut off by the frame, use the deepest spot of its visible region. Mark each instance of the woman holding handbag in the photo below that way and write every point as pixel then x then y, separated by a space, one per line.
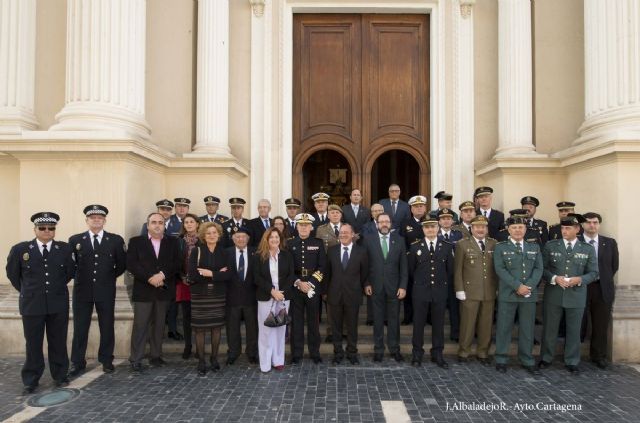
pixel 188 240
pixel 274 277
pixel 209 276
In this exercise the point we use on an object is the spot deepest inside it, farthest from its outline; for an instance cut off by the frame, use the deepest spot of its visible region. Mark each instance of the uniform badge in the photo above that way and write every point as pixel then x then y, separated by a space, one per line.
pixel 78 246
pixel 235 229
pixel 25 256
pixel 419 252
pixel 57 247
pixel 294 248
pixel 229 229
pixel 409 229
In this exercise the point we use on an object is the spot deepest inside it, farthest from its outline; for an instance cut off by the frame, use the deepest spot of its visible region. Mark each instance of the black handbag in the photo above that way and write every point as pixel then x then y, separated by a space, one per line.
pixel 274 320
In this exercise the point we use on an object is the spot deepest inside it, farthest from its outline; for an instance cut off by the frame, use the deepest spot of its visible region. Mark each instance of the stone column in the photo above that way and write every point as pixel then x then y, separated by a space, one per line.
pixel 105 86
pixel 212 115
pixel 612 70
pixel 17 65
pixel 515 136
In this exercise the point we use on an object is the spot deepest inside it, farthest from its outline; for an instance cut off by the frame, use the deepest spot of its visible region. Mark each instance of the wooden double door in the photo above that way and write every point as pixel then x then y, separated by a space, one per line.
pixel 360 101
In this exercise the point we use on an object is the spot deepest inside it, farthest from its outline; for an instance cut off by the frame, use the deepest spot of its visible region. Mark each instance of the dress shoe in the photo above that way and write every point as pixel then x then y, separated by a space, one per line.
pixel 231 360
pixel 544 364
pixel 29 389
pixel 253 360
pixel 296 360
pixel 440 362
pixel 215 366
pixel 108 368
pixel 455 339
pixel 398 357
pixel 536 342
pixel 532 370
pixel 157 362
pixel 377 357
pixel 602 363
pixel 369 322
pixel 202 368
pixel 354 360
pixel 177 336
pixel 62 383
pixel 573 369
pixel 279 368
pixel 316 360
pixel 463 359
pixel 186 353
pixel 328 339
pixel 502 368
pixel 416 362
pixel 407 322
pixel 76 370
pixel 337 359
pixel 485 361
pixel 136 367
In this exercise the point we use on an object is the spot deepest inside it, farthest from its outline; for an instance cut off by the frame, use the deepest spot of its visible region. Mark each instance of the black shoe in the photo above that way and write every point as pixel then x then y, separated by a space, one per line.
pixel 535 341
pixel 455 339
pixel 440 362
pixel 62 383
pixel 407 322
pixel 253 360
pixel 186 354
pixel 29 389
pixel 296 360
pixel 377 357
pixel 316 360
pixel 136 367
pixel 532 370
pixel 369 322
pixel 544 364
pixel 337 359
pixel 328 339
pixel 416 362
pixel 215 366
pixel 502 368
pixel 573 369
pixel 157 362
pixel 354 360
pixel 602 363
pixel 463 359
pixel 108 368
pixel 176 336
pixel 76 370
pixel 398 357
pixel 202 368
pixel 485 361
pixel 231 360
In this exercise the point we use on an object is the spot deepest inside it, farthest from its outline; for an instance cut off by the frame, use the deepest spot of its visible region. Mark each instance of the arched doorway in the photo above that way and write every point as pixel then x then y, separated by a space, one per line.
pixel 395 167
pixel 327 171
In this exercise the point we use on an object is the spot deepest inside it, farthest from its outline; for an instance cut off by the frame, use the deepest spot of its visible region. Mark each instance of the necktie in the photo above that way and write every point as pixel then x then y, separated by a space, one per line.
pixel 446 236
pixel 393 208
pixel 569 248
pixel 241 266
pixel 211 219
pixel 345 257
pixel 482 246
pixel 518 247
pixel 593 242
pixel 335 229
pixel 484 212
pixel 96 244
pixel 293 224
pixel 355 211
pixel 45 252
pixel 431 250
pixel 385 247
pixel 266 223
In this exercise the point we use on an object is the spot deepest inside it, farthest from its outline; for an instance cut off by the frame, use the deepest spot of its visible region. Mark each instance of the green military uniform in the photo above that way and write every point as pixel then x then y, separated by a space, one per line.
pixel 581 261
pixel 514 267
pixel 475 276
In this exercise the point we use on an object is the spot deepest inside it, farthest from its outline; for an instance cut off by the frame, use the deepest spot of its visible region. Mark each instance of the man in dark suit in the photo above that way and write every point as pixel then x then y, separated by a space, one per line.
pixel 431 271
pixel 600 293
pixel 241 299
pixel 40 270
pixel 260 224
pixel 154 261
pixel 292 206
pixel 395 207
pixel 236 221
pixel 100 259
pixel 371 227
pixel 355 213
pixel 211 202
pixel 346 272
pixel 387 285
pixel 484 197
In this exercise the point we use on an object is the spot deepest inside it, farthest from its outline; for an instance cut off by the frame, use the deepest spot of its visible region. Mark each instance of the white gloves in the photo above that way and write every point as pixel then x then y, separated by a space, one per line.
pixel 461 295
pixel 311 292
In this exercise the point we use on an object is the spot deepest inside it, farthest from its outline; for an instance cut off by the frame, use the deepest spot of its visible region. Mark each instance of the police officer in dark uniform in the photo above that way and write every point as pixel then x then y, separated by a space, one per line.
pixel 235 222
pixel 444 202
pixel 309 259
pixel 211 202
pixel 165 208
pixel 321 203
pixel 293 208
pixel 530 204
pixel 40 270
pixel 431 272
pixel 100 259
pixel 564 208
pixel 531 235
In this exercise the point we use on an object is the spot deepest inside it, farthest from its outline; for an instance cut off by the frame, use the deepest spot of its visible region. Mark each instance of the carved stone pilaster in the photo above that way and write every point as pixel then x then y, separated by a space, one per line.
pixel 257 7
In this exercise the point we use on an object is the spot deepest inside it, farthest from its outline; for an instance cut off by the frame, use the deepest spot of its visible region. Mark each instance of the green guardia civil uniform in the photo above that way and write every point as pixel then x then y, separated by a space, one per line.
pixel 515 267
pixel 580 261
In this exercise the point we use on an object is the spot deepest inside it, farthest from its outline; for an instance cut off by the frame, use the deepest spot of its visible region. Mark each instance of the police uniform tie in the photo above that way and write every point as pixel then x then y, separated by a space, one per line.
pixel 345 257
pixel 446 236
pixel 518 248
pixel 96 244
pixel 335 229
pixel 482 246
pixel 385 247
pixel 241 266
pixel 293 224
pixel 45 252
pixel 431 250
pixel 569 248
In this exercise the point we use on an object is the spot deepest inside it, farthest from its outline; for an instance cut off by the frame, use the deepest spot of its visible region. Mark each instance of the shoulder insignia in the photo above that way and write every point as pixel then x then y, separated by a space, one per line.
pixel 416 241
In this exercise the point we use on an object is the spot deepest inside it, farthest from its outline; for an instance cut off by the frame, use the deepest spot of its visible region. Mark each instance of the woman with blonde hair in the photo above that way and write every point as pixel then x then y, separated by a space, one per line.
pixel 274 277
pixel 208 275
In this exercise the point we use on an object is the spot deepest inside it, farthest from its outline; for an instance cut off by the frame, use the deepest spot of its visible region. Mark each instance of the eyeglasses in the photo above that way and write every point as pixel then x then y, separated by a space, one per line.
pixel 46 228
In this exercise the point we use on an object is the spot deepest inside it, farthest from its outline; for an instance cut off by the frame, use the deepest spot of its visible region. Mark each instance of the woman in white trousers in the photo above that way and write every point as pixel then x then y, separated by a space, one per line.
pixel 274 277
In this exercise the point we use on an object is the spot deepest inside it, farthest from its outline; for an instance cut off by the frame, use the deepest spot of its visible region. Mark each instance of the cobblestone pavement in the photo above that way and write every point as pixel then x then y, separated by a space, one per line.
pixel 344 393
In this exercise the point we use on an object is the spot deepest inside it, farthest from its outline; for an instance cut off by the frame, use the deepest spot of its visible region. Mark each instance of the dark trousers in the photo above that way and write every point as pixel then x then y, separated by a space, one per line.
pixel 453 305
pixel 600 313
pixel 82 311
pixel 422 307
pixel 234 339
pixel 348 314
pixel 386 308
pixel 369 309
pixel 172 316
pixel 300 308
pixel 56 325
pixel 408 304
pixel 148 322
pixel 186 322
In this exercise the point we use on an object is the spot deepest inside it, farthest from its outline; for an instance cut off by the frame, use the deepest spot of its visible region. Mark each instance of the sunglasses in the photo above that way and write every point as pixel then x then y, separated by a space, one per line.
pixel 46 228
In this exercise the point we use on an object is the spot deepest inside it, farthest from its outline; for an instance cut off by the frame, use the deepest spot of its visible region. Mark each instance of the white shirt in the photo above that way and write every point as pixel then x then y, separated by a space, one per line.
pixel 322 216
pixel 443 232
pixel 355 208
pixel 342 247
pixel 333 225
pixel 212 218
pixel 428 241
pixel 273 269
pixel 521 242
pixel 40 245
pixel 483 211
pixel 238 222
pixel 595 244
pixel 246 262
pixel 478 242
pixel 100 235
pixel 573 243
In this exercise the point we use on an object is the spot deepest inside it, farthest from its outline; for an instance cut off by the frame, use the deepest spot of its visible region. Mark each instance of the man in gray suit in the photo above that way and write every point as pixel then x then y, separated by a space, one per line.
pixel 395 207
pixel 387 285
